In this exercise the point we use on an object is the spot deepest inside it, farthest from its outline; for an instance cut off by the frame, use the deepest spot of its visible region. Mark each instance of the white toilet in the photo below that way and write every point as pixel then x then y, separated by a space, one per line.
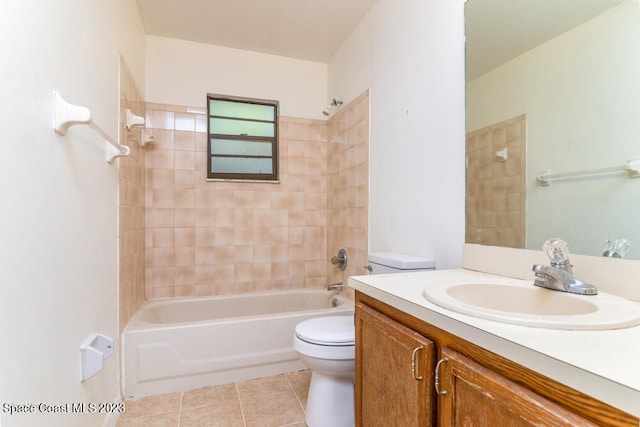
pixel 326 345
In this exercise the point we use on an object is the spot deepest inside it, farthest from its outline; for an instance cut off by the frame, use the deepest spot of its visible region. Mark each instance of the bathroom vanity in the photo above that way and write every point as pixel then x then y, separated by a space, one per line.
pixel 418 363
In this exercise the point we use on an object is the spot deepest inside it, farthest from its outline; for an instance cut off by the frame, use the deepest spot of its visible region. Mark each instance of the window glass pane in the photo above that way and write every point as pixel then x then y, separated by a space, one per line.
pixel 243 138
pixel 241 110
pixel 240 127
pixel 241 165
pixel 239 147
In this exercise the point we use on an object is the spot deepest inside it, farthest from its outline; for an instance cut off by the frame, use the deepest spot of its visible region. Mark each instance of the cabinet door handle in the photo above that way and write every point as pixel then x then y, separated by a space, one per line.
pixel 413 364
pixel 437 378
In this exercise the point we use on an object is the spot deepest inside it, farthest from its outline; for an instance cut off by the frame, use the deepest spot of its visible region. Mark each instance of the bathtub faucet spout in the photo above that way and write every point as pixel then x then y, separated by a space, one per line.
pixel 336 287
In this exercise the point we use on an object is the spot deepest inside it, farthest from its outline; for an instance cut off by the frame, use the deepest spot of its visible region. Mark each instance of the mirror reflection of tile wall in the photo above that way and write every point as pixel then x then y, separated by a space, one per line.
pixel 495 201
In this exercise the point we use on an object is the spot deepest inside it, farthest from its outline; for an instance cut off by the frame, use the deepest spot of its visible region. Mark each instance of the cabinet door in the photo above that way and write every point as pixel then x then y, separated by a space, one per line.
pixel 394 373
pixel 477 396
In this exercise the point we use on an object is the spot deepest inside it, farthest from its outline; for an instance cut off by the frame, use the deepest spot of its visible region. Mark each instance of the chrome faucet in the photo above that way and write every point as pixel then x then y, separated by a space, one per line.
pixel 561 280
pixel 336 287
pixel 559 275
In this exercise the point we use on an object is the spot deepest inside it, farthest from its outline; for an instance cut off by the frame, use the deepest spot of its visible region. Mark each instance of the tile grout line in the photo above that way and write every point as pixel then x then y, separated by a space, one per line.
pixel 244 421
pixel 296 395
pixel 180 408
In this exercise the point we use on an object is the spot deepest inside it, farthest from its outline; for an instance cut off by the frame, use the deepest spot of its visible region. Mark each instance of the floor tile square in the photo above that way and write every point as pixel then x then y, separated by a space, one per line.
pixel 272 410
pixel 152 405
pixel 169 419
pixel 261 386
pixel 209 396
pixel 225 414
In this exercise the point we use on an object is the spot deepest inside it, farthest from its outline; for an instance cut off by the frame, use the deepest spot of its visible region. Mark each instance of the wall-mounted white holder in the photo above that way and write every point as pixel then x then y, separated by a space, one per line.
pixel 502 155
pixel 92 354
pixel 631 168
pixel 147 139
pixel 133 120
pixel 66 115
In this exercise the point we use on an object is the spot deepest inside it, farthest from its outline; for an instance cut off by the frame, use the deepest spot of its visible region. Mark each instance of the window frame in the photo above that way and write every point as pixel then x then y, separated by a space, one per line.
pixel 274 140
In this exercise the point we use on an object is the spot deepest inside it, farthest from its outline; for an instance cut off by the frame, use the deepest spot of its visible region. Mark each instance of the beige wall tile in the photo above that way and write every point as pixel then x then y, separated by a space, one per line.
pixel 164 140
pixel 185 122
pixel 184 217
pixel 185 257
pixel 184 160
pixel 163 120
pixel 159 159
pixel 215 237
pixel 132 243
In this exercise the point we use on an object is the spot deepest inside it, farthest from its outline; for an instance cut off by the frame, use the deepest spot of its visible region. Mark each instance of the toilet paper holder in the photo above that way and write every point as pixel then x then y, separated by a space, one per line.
pixel 93 351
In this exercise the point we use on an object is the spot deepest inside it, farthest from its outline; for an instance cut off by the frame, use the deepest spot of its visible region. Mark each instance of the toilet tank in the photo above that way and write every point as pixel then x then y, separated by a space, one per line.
pixel 391 262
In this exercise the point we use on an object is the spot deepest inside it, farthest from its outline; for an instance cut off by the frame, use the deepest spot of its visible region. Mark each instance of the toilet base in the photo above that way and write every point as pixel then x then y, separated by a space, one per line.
pixel 330 401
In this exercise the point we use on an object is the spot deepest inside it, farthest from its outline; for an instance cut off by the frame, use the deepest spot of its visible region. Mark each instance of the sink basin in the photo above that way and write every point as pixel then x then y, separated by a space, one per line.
pixel 529 305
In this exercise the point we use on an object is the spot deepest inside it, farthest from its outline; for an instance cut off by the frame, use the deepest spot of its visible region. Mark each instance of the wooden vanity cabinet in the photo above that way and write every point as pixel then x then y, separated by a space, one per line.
pixel 394 366
pixel 475 387
pixel 471 395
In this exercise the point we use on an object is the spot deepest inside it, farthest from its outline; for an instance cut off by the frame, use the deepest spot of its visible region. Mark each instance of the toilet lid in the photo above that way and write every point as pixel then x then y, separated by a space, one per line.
pixel 330 330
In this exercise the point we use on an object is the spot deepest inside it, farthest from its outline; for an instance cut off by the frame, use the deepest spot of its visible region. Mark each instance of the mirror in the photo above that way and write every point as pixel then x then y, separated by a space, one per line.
pixel 553 86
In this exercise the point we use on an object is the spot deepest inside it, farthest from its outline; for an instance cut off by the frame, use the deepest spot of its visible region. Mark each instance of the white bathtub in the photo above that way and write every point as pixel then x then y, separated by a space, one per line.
pixel 186 343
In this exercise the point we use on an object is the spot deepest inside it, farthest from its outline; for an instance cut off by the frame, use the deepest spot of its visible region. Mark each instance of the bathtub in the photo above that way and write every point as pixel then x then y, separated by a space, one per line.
pixel 186 343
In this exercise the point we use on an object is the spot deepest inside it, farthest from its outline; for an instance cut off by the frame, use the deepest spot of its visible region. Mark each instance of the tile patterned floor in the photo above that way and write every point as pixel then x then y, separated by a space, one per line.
pixel 266 402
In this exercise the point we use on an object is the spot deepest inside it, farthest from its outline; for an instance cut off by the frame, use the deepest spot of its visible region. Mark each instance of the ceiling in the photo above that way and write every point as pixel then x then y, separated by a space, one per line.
pixel 496 30
pixel 303 29
pixel 499 30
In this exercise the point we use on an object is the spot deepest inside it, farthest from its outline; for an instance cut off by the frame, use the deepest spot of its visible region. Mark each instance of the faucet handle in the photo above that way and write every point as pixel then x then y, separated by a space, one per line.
pixel 340 261
pixel 557 250
pixel 617 248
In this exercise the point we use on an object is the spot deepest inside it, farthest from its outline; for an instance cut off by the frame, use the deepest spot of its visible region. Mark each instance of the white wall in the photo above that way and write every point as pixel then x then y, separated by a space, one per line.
pixel 411 54
pixel 580 93
pixel 183 72
pixel 58 214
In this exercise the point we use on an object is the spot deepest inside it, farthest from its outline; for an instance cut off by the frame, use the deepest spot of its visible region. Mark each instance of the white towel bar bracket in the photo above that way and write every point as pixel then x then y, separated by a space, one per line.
pixel 133 120
pixel 66 115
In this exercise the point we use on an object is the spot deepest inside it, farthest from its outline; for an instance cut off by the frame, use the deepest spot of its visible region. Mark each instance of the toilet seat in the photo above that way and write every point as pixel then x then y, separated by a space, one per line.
pixel 327 331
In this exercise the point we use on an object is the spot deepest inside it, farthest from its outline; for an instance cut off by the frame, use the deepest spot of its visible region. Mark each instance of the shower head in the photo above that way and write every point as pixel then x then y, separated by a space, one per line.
pixel 334 103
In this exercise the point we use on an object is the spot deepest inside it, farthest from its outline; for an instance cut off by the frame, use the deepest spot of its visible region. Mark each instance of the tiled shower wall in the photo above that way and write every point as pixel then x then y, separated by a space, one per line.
pixel 211 238
pixel 348 187
pixel 131 204
pixel 495 201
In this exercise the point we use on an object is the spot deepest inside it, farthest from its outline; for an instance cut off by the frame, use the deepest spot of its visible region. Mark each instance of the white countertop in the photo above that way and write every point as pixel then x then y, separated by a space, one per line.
pixel 604 364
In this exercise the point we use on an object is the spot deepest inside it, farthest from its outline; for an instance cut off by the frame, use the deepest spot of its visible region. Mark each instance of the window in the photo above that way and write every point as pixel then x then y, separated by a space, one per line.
pixel 243 138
